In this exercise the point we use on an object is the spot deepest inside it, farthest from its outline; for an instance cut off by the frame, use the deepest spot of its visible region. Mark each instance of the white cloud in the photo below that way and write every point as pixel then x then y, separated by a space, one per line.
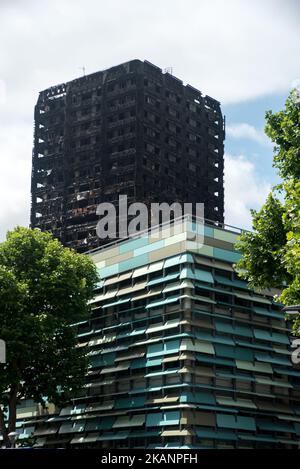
pixel 14 177
pixel 249 132
pixel 244 189
pixel 2 92
pixel 296 84
pixel 233 51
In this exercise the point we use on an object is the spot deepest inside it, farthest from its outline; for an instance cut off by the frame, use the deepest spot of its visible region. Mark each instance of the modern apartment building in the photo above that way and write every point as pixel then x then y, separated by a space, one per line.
pixel 182 353
pixel 133 130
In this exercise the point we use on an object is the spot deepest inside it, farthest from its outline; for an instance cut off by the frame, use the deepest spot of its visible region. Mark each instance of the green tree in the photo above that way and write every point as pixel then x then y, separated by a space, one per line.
pixel 271 253
pixel 44 288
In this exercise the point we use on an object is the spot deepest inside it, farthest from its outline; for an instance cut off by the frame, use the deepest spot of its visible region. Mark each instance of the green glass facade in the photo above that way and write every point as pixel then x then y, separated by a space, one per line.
pixel 182 353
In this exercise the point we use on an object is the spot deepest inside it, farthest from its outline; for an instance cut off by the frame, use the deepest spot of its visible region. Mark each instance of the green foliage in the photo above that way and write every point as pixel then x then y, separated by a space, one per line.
pixel 262 261
pixel 271 253
pixel 44 288
pixel 283 128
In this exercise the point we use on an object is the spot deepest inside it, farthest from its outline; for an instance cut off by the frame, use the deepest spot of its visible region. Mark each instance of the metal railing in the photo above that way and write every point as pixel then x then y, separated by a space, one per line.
pixel 183 218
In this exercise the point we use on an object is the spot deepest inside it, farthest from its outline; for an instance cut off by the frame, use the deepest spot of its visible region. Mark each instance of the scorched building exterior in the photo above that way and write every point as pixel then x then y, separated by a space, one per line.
pixel 132 130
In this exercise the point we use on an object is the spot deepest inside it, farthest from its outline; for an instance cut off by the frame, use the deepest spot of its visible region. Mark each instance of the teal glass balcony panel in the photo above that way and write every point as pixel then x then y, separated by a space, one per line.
pixel 281 338
pixel 225 351
pixel 72 427
pixel 198 398
pixel 197 346
pixel 166 301
pixel 203 276
pixel 155 267
pixel 267 313
pixel 138 363
pixel 234 352
pixel 133 333
pixel 229 401
pixel 276 426
pixel 172 346
pixel 98 424
pixel 175 286
pixel 154 362
pixel 297 428
pixel 181 259
pixel 218 361
pixel 224 327
pixel 244 354
pixel 193 227
pixel 130 403
pixel 260 438
pixel 208 230
pixel 271 382
pixel 271 337
pixel 117 302
pixel 226 421
pixel 243 296
pixel 229 375
pixel 211 288
pixel 19 423
pixel 282 371
pixel 169 347
pixel 149 248
pixel 133 263
pixel 256 345
pixel 224 255
pixel 103 360
pixel 206 433
pixel 171 261
pixel 261 299
pixel 145 433
pixel 162 279
pixel 186 272
pixel 258 367
pixel 133 244
pixel 262 335
pixel 276 360
pixel 159 419
pixel 231 283
pixel 153 420
pixel 114 436
pixel 154 374
pixel 243 331
pixel 26 432
pixel 138 401
pixel 155 349
pixel 203 335
pixel 78 409
pixel 225 235
pixel 109 271
pixel 223 340
pixel 236 421
pixel 65 411
pixel 158 327
pixel 250 297
pixel 210 338
pixel 128 421
pixel 84 439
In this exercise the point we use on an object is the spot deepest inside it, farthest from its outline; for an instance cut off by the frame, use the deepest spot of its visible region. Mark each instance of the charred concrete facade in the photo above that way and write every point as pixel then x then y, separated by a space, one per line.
pixel 131 129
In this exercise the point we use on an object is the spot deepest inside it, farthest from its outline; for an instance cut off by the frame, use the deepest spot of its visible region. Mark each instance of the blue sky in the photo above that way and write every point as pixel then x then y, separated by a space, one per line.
pixel 252 112
pixel 245 54
pixel 248 148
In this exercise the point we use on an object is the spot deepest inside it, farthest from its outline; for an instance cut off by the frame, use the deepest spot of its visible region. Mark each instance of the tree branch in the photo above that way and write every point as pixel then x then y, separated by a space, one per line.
pixel 4 430
pixel 12 407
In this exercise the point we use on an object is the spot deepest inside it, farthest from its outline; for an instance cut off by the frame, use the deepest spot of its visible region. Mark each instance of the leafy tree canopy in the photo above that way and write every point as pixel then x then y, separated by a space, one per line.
pixel 44 288
pixel 271 253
